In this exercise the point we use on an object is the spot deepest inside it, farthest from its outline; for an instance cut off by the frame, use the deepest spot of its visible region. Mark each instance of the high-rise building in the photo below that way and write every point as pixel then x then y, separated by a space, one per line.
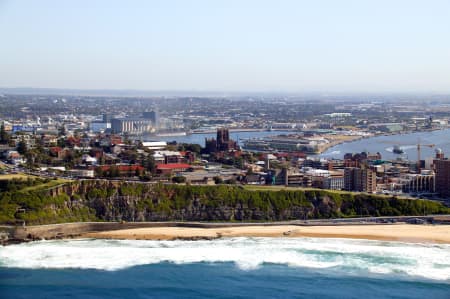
pixel 107 118
pixel 442 178
pixel 153 116
pixel 360 179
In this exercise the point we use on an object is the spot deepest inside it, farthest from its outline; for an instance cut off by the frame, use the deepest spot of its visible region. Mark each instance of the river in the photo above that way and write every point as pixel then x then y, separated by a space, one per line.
pixel 384 145
pixel 199 138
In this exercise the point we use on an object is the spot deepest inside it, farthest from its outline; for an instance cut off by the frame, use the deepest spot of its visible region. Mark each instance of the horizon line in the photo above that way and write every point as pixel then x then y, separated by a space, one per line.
pixel 205 92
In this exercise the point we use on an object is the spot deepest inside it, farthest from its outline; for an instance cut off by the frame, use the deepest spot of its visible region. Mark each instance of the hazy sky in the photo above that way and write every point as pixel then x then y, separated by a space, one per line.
pixel 314 45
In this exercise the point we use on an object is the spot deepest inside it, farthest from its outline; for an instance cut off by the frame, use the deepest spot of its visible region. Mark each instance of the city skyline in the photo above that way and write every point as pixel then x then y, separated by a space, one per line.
pixel 256 46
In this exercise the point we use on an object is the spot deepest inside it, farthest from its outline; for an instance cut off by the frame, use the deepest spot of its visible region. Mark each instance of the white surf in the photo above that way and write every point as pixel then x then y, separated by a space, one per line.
pixel 430 261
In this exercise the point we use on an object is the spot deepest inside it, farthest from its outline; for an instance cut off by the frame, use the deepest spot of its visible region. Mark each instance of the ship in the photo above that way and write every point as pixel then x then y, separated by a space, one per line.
pixel 171 134
pixel 397 150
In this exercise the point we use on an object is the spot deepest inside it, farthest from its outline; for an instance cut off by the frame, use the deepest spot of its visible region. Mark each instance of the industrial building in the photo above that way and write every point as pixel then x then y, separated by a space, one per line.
pixel 148 123
pixel 286 144
pixel 153 116
pixel 423 182
pixel 132 125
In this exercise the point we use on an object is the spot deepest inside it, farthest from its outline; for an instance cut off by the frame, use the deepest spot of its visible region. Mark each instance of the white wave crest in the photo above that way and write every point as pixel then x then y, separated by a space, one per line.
pixel 431 261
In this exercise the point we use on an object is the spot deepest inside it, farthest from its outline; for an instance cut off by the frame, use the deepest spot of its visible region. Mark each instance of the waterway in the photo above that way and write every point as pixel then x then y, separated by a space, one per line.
pixel 199 138
pixel 384 145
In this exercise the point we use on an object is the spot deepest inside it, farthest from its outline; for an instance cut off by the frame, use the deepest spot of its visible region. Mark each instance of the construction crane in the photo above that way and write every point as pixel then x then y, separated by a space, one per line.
pixel 419 145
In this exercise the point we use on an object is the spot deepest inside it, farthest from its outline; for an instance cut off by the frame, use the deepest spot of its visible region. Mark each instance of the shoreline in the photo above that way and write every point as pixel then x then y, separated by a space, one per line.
pixel 409 233
pixel 422 229
pixel 407 132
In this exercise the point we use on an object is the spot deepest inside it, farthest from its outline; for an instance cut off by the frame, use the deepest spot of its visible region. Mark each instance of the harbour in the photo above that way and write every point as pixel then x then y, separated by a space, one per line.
pixel 385 144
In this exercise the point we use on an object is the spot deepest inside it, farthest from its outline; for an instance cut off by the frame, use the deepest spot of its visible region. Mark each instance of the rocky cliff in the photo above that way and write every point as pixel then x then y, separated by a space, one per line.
pixel 116 201
pixel 125 201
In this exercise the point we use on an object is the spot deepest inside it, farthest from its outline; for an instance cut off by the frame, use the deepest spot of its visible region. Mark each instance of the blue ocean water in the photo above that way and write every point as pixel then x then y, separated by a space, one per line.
pixel 226 268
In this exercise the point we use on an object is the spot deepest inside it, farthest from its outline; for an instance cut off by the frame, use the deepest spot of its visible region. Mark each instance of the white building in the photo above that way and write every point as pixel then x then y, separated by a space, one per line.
pixel 333 183
pixel 154 145
pixel 81 173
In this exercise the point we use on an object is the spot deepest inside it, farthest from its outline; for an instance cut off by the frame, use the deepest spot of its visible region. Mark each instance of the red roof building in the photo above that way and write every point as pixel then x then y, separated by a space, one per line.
pixel 171 168
pixel 122 168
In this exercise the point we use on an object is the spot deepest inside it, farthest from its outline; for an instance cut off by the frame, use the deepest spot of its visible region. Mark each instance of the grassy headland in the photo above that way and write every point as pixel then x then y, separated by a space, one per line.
pixel 42 201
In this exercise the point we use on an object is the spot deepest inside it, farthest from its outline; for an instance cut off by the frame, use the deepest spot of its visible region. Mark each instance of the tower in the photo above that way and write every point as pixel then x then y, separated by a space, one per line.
pixel 223 135
pixel 153 116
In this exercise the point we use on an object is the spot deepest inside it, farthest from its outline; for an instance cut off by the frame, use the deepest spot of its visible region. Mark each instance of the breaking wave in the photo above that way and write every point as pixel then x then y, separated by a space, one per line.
pixel 359 257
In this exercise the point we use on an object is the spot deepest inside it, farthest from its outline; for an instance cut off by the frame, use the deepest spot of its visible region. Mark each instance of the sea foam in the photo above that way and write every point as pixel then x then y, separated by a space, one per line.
pixel 359 257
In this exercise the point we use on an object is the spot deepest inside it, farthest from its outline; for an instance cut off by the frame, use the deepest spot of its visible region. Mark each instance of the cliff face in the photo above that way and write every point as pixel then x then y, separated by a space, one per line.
pixel 117 201
pixel 113 201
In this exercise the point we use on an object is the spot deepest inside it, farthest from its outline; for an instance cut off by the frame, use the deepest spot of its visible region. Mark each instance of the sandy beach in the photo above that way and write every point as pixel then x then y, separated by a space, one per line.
pixel 395 232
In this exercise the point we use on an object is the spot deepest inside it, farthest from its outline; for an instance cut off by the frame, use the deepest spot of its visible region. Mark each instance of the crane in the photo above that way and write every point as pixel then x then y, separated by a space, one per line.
pixel 419 145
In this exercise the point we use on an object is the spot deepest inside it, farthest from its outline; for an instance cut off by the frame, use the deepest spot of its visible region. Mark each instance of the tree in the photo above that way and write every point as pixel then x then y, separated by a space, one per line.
pixel 231 181
pixel 4 136
pixel 31 159
pixel 99 172
pixel 239 162
pixel 62 131
pixel 129 155
pixel 69 159
pixel 137 172
pixel 218 180
pixel 22 147
pixel 114 171
pixel 179 179
pixel 150 164
pixel 126 138
pixel 61 142
pixel 195 148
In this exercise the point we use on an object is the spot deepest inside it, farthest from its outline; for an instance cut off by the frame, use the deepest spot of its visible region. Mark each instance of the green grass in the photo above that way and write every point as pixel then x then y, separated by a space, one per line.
pixel 285 188
pixel 48 185
pixel 281 187
pixel 14 176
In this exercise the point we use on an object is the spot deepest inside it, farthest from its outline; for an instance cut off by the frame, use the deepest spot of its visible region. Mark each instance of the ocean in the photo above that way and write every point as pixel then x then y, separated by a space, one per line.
pixel 225 268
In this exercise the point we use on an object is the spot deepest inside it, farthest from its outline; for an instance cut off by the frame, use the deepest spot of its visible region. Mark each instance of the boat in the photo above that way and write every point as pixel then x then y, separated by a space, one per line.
pixel 397 150
pixel 171 134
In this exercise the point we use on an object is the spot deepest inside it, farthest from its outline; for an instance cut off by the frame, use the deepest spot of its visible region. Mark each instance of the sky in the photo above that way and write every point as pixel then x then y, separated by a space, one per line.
pixel 227 45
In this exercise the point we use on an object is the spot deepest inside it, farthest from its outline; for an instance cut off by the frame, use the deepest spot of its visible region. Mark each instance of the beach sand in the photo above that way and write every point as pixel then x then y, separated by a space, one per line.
pixel 394 232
